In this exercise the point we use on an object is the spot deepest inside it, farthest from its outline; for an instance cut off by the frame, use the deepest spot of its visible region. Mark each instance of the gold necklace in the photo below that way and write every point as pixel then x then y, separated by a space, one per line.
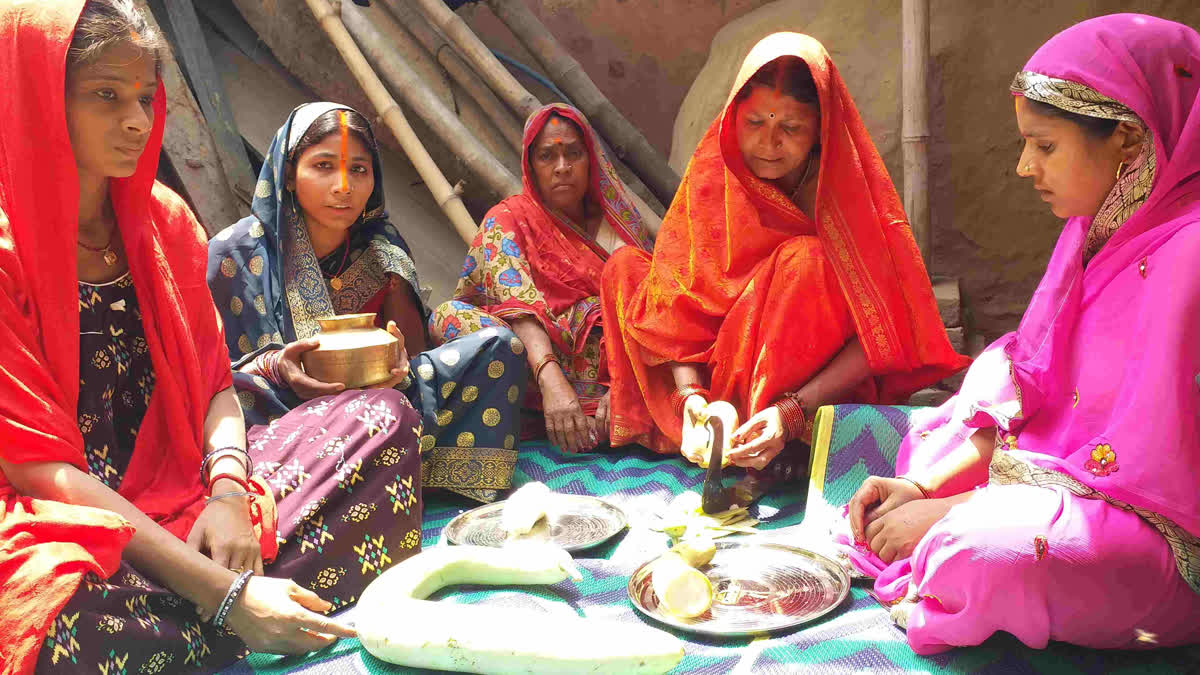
pixel 335 279
pixel 110 256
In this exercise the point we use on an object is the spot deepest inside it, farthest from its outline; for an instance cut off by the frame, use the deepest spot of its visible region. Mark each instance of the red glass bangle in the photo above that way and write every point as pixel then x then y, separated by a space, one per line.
pixel 271 370
pixel 795 421
pixel 680 396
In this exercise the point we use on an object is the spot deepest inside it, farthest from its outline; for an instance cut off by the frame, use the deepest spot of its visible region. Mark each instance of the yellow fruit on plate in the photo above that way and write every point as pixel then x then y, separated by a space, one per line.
pixel 681 589
pixel 697 551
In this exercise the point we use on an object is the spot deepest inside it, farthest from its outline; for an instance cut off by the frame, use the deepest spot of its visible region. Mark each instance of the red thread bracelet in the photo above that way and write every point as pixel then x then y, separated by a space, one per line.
pixel 245 485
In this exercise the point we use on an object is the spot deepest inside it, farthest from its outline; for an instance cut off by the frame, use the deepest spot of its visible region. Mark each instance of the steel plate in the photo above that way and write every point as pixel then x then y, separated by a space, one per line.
pixel 574 522
pixel 758 587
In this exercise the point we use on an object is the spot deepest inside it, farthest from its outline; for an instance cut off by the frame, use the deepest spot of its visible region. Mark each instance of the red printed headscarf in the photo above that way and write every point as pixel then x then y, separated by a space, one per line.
pixel 45 547
pixel 565 263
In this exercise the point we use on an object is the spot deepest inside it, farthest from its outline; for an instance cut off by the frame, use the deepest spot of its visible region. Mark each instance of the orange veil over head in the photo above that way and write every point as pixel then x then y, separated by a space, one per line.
pixel 45 546
pixel 745 282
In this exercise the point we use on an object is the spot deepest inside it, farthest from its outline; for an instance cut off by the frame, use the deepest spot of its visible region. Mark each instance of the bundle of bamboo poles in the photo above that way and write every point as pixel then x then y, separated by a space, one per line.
pixel 571 77
pixel 366 38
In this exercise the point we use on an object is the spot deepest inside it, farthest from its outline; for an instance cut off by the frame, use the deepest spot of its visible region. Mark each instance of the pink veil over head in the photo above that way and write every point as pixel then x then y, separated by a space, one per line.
pixel 1150 415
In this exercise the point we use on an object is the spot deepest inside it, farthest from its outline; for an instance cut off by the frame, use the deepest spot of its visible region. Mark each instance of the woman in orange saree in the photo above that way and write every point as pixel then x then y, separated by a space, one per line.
pixel 785 275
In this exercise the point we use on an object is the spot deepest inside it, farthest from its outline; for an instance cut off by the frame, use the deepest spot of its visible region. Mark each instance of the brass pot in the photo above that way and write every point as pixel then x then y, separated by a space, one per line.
pixel 353 351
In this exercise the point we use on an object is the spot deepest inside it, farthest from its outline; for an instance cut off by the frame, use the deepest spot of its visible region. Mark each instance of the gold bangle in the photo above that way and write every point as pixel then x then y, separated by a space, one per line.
pixel 542 363
pixel 925 492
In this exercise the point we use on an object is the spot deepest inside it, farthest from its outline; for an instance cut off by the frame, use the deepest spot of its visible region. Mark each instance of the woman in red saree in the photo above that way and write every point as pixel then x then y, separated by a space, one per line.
pixel 133 535
pixel 536 265
pixel 785 275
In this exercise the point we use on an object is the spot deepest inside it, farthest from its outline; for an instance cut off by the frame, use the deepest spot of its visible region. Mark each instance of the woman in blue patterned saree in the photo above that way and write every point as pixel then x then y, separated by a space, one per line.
pixel 318 244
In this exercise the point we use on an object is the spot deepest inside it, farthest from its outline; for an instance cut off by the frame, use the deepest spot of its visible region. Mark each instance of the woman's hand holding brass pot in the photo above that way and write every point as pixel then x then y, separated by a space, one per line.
pixel 402 367
pixel 305 386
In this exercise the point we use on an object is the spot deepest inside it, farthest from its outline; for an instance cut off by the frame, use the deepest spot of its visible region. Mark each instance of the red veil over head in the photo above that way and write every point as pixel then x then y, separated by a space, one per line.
pixel 722 250
pixel 45 547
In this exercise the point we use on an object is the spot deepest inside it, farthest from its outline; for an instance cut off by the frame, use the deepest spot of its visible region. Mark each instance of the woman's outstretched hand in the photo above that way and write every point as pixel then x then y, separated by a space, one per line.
pixel 695 433
pixel 277 616
pixel 895 534
pixel 566 424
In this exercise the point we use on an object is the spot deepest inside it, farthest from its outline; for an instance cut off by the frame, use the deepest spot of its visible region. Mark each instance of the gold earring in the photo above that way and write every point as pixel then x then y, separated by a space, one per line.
pixel 1120 168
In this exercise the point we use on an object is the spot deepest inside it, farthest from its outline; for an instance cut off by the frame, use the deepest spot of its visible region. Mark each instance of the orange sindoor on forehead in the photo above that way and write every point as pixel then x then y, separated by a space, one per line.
pixel 555 125
pixel 345 149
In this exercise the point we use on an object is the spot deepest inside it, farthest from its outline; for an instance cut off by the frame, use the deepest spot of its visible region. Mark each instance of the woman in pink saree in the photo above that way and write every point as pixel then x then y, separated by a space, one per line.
pixel 1057 496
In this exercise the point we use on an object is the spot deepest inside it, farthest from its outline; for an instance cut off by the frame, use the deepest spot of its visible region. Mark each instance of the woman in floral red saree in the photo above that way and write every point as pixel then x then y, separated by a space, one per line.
pixel 536 265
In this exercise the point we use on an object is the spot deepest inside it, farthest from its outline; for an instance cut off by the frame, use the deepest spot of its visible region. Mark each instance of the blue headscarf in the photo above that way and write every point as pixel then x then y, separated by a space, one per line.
pixel 265 278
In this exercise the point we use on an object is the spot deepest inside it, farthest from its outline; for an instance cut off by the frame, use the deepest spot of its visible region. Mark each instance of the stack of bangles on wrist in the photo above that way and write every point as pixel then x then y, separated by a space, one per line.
pixel 925 492
pixel 795 421
pixel 209 480
pixel 266 365
pixel 231 596
pixel 680 396
pixel 213 457
pixel 541 364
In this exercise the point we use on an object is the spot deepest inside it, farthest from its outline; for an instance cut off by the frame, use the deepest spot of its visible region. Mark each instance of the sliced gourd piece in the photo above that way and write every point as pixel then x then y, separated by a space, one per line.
pixel 682 590
pixel 525 508
pixel 697 551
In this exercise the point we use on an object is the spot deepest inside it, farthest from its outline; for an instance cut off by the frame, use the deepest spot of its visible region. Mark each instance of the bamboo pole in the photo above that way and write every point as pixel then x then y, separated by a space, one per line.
pixel 513 93
pixel 496 75
pixel 443 52
pixel 628 143
pixel 402 79
pixel 915 125
pixel 445 195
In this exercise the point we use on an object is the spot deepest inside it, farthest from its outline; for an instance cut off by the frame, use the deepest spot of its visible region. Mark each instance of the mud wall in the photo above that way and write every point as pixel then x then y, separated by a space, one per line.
pixel 652 57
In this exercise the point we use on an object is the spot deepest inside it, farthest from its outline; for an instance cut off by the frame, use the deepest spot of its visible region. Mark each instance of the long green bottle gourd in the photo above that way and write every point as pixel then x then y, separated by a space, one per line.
pixel 398 625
